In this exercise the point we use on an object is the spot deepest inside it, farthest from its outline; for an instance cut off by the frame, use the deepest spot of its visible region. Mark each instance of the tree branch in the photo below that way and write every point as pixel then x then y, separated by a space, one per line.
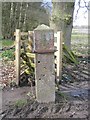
pixel 86 5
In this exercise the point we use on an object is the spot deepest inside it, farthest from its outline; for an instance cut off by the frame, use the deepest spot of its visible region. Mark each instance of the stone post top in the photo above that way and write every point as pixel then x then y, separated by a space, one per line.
pixel 43 27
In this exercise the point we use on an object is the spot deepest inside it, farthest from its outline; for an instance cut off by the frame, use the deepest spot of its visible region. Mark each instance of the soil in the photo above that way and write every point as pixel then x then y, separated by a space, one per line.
pixel 72 99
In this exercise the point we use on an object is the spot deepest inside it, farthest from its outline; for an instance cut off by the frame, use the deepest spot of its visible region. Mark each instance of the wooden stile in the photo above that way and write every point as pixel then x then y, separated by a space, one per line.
pixel 57 43
pixel 22 33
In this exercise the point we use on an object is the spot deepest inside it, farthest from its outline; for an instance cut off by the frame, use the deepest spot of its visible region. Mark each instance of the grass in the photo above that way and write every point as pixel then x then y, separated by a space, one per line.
pixel 80 49
pixel 63 95
pixel 75 36
pixel 7 43
pixel 7 54
pixel 20 103
pixel 79 42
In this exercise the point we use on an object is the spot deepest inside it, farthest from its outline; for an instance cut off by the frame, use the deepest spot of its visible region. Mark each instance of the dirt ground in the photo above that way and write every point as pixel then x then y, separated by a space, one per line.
pixel 72 100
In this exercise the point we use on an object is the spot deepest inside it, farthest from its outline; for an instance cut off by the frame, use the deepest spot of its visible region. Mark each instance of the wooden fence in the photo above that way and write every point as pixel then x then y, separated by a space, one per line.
pixel 58 53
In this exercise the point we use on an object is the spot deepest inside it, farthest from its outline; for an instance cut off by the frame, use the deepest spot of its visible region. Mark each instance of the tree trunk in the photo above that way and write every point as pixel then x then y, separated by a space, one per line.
pixel 25 16
pixel 6 7
pixel 11 20
pixel 20 17
pixel 15 16
pixel 62 20
pixel 0 19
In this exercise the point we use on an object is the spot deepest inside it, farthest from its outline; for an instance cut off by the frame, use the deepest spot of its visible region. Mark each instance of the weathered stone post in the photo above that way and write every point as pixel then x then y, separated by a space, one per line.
pixel 44 61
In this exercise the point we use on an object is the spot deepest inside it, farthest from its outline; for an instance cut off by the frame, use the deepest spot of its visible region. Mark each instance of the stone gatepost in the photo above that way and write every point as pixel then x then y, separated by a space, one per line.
pixel 44 61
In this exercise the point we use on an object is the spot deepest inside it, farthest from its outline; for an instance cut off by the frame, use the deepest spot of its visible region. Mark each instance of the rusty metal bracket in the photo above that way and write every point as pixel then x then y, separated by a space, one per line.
pixel 44 51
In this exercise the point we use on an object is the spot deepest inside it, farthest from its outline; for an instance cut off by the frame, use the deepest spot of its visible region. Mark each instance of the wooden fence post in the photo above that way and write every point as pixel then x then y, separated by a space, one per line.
pixel 17 55
pixel 59 55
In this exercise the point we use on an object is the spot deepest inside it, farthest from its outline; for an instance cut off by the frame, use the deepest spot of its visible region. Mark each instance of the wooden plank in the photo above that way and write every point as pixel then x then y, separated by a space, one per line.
pixel 30 55
pixel 22 33
pixel 56 53
pixel 17 55
pixel 55 34
pixel 59 54
pixel 55 61
pixel 55 44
